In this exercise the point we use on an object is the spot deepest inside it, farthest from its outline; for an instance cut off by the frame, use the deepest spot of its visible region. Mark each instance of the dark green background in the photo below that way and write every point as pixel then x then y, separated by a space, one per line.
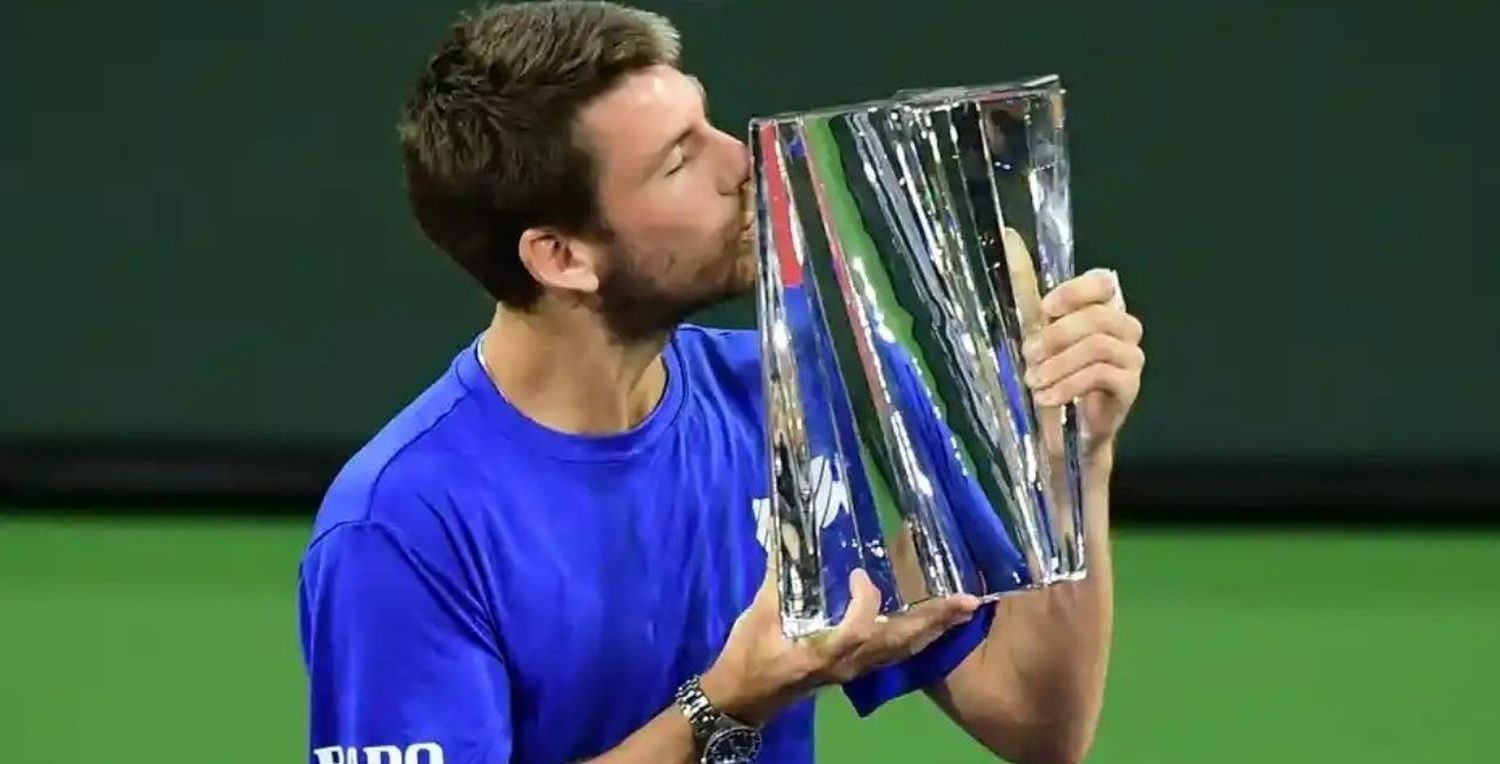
pixel 204 234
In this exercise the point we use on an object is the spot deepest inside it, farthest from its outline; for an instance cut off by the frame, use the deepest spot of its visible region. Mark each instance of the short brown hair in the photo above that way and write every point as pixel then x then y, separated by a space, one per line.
pixel 487 131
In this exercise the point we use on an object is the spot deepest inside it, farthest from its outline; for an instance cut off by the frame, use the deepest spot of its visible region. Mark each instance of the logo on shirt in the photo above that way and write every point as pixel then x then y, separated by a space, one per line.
pixel 830 498
pixel 417 753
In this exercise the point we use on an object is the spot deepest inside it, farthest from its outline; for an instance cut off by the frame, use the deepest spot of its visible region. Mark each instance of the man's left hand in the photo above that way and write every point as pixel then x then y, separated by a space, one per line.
pixel 1090 352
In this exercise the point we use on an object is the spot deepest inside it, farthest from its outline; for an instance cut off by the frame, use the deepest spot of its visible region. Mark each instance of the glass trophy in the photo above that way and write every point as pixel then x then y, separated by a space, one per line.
pixel 904 246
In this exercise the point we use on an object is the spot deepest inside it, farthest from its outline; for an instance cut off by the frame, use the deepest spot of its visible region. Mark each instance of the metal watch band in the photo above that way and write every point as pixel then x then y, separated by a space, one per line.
pixel 701 714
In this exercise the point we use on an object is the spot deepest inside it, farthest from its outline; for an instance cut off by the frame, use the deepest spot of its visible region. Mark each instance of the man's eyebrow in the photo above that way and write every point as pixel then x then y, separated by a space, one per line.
pixel 661 153
pixel 687 132
pixel 702 92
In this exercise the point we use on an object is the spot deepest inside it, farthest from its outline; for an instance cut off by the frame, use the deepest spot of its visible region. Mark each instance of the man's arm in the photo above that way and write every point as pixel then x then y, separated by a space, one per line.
pixel 1033 690
pixel 399 657
pixel 667 738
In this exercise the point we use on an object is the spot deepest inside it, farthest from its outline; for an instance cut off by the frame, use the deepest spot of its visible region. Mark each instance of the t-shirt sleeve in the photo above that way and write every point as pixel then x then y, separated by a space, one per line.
pixel 400 660
pixel 928 667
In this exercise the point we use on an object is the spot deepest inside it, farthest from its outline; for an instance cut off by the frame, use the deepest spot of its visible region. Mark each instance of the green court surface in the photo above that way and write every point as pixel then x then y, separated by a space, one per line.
pixel 175 641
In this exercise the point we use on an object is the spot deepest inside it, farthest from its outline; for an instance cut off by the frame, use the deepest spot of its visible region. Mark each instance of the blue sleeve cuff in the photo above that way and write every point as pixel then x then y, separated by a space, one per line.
pixel 875 689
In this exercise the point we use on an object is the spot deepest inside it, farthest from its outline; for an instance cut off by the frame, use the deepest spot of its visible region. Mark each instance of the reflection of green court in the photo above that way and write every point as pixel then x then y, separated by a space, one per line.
pixel 175 641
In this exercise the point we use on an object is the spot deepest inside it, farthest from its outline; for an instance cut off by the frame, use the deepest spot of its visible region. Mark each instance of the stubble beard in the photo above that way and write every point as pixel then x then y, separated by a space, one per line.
pixel 637 307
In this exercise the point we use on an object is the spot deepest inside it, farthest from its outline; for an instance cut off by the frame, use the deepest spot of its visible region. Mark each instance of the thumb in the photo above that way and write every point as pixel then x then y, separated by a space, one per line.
pixel 859 622
pixel 768 596
pixel 1025 288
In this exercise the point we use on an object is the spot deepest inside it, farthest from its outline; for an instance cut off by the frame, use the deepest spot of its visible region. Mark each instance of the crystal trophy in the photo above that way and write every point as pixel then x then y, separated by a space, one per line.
pixel 904 246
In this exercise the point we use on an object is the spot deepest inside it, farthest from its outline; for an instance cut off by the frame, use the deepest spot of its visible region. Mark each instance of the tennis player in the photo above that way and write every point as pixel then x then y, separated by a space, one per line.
pixel 555 552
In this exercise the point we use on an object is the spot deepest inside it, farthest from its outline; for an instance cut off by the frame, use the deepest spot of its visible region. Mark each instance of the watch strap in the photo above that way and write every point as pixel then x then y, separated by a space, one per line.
pixel 700 712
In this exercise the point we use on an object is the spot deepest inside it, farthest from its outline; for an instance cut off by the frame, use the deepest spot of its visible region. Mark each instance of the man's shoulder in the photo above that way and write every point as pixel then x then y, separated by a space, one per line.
pixel 722 356
pixel 409 465
pixel 410 495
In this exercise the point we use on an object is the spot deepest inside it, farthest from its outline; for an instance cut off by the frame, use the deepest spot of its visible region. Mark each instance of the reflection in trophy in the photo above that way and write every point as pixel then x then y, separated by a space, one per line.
pixel 904 246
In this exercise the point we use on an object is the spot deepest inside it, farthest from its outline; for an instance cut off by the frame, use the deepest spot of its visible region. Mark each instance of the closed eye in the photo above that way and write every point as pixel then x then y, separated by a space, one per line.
pixel 681 156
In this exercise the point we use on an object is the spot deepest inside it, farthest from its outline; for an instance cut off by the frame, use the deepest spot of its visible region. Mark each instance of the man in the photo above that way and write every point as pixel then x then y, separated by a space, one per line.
pixel 551 555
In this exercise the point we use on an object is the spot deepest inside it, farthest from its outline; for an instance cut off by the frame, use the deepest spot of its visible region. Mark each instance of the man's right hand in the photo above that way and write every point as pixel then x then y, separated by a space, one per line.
pixel 760 672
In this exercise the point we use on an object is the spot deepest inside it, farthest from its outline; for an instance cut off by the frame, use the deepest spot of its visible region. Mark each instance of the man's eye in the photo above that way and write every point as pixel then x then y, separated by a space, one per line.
pixel 682 155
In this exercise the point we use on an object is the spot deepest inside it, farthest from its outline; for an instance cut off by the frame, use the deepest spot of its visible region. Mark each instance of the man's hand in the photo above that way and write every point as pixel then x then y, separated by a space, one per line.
pixel 760 671
pixel 1090 352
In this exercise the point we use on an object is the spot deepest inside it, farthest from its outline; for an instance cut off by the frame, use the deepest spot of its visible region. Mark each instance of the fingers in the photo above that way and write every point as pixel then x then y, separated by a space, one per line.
pixel 1097 287
pixel 767 594
pixel 1121 383
pixel 908 633
pixel 938 613
pixel 1068 330
pixel 1095 348
pixel 1094 344
pixel 859 622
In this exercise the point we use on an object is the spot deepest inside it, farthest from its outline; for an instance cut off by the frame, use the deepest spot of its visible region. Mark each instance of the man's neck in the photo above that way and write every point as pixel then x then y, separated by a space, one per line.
pixel 571 375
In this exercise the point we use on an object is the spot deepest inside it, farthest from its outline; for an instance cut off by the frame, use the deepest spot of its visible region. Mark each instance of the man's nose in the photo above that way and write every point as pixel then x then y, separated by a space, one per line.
pixel 745 160
pixel 739 169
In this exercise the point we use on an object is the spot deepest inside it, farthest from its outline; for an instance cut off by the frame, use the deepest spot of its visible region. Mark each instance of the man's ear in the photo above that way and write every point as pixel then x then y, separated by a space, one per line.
pixel 561 262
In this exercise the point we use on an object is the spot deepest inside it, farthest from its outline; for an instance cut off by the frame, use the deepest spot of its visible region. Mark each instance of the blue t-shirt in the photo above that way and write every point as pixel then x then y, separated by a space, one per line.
pixel 479 588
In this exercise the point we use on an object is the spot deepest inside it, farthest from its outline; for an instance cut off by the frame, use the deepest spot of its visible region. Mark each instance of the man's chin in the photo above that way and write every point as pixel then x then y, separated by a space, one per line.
pixel 745 264
pixel 742 281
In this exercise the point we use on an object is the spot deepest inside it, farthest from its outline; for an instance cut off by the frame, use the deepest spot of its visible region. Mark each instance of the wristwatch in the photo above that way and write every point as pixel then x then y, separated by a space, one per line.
pixel 722 738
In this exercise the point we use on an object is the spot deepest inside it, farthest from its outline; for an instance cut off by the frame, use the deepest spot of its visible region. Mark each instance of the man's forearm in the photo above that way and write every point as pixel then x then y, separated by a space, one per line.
pixel 666 738
pixel 1033 690
pixel 1055 642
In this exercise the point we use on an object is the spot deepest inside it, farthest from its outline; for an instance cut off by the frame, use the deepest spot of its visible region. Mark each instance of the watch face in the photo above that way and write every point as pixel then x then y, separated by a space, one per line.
pixel 732 746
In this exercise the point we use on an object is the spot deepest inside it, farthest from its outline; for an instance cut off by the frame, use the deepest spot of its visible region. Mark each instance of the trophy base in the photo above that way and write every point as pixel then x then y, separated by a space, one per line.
pixel 796 629
pixel 1071 576
pixel 1059 578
